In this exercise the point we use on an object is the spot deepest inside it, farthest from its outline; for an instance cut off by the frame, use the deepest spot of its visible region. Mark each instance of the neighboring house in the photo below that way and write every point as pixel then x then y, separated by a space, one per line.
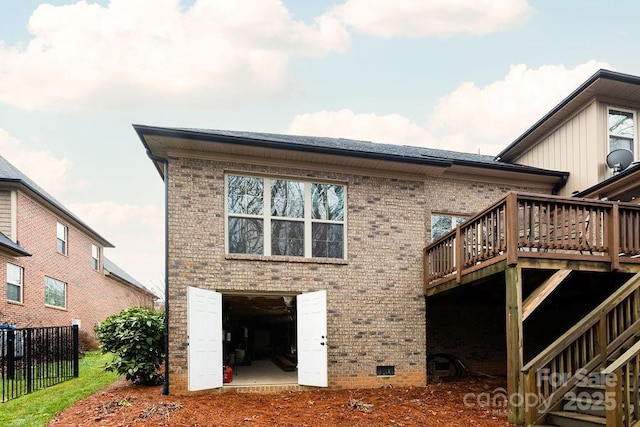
pixel 53 263
pixel 308 251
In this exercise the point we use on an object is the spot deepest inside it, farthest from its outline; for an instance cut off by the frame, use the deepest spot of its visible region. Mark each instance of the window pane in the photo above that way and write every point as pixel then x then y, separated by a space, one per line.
pixel 62 246
pixel 287 198
pixel 615 143
pixel 440 224
pixel 328 240
pixel 246 236
pixel 245 195
pixel 61 232
pixel 620 123
pixel 327 201
pixel 13 293
pixel 14 274
pixel 54 292
pixel 287 238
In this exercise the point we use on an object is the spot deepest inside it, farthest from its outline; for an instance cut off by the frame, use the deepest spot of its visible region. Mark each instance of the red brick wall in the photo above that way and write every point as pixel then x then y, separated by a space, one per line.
pixel 91 296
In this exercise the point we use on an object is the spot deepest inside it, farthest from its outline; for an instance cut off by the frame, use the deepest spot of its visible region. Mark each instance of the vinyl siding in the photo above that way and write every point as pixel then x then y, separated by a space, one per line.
pixel 5 212
pixel 577 146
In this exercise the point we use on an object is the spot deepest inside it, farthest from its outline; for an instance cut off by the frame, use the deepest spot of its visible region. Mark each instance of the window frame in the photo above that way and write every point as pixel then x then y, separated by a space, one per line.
pixel 95 257
pixel 634 138
pixel 62 248
pixel 20 285
pixel 268 218
pixel 56 282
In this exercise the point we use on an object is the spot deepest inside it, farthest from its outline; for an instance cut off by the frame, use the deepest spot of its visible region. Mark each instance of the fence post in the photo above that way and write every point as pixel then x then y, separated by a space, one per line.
pixel 11 353
pixel 76 357
pixel 28 355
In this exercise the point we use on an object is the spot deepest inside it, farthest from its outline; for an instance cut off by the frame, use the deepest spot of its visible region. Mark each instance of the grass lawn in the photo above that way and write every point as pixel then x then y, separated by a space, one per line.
pixel 36 409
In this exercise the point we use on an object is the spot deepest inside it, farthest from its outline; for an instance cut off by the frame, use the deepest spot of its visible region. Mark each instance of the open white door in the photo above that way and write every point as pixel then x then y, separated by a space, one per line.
pixel 312 338
pixel 204 329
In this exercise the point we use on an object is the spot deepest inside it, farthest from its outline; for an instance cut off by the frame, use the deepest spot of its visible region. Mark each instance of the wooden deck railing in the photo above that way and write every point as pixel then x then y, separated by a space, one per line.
pixel 533 225
pixel 581 350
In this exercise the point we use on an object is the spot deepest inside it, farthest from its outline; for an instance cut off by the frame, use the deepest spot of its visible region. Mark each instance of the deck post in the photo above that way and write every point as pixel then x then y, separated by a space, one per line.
pixel 512 227
pixel 459 255
pixel 614 236
pixel 513 279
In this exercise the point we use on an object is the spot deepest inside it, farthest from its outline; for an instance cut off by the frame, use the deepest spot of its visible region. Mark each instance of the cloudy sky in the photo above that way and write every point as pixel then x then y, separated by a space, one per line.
pixel 466 75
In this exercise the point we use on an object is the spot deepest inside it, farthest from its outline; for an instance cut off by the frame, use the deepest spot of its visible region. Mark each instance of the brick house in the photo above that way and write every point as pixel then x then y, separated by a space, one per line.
pixel 53 264
pixel 308 252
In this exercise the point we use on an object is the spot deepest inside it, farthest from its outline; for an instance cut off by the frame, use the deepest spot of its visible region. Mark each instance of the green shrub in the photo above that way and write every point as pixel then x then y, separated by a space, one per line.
pixel 136 337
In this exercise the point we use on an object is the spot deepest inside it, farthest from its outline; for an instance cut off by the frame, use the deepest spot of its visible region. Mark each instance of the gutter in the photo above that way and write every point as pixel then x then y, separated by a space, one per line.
pixel 165 162
pixel 563 181
pixel 198 135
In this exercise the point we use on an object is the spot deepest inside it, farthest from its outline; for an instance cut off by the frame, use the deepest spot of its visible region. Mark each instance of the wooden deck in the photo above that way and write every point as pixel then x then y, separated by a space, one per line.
pixel 536 231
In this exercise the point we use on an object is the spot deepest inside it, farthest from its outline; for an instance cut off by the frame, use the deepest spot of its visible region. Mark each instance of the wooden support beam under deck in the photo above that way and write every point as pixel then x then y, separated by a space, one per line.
pixel 515 385
pixel 542 292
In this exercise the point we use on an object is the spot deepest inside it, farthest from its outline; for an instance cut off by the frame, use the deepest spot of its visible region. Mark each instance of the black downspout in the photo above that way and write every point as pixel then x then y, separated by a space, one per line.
pixel 560 184
pixel 165 162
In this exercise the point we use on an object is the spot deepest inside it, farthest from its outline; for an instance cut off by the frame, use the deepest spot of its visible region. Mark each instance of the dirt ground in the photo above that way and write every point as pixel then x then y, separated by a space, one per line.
pixel 463 402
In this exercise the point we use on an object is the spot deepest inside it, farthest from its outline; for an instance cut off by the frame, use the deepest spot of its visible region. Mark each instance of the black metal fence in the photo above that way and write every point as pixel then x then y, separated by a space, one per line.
pixel 36 358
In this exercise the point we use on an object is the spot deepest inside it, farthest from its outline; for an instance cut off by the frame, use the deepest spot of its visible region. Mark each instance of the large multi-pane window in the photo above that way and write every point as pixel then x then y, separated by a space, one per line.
pixel 621 128
pixel 61 233
pixel 442 224
pixel 95 257
pixel 55 292
pixel 274 216
pixel 15 274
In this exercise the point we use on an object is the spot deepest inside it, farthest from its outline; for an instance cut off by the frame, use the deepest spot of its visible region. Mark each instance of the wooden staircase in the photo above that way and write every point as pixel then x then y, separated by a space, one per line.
pixel 588 376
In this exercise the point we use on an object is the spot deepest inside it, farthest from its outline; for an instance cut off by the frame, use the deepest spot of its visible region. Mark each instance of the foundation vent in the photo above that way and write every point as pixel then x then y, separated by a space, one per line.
pixel 385 371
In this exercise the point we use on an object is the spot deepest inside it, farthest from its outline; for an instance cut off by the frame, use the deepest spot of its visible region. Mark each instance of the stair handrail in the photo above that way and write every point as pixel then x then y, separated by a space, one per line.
pixel 589 320
pixel 621 392
pixel 590 334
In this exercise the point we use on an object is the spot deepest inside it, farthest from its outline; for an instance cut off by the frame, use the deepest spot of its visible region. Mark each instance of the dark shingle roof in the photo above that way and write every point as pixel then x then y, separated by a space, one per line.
pixel 12 246
pixel 9 173
pixel 344 147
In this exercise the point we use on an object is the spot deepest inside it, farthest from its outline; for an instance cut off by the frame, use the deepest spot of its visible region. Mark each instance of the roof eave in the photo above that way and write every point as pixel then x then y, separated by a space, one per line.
pixel 18 182
pixel 143 131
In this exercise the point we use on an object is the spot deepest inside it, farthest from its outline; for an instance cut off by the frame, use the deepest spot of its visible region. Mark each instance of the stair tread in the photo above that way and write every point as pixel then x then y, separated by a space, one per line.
pixel 581 417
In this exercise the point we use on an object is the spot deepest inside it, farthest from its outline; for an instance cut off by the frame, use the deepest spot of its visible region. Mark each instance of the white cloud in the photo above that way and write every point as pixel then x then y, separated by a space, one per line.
pixel 137 232
pixel 494 115
pixel 419 18
pixel 42 167
pixel 392 128
pixel 469 119
pixel 86 56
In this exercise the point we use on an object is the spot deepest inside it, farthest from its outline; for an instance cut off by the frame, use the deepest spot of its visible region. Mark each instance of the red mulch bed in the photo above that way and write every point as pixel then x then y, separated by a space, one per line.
pixel 462 402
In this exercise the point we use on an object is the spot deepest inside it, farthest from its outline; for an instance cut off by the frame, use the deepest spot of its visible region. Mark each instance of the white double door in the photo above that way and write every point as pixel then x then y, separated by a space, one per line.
pixel 204 329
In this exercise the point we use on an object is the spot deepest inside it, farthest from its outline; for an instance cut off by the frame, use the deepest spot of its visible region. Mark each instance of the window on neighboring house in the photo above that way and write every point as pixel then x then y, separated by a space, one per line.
pixel 95 257
pixel 14 282
pixel 61 234
pixel 442 224
pixel 621 129
pixel 303 218
pixel 55 293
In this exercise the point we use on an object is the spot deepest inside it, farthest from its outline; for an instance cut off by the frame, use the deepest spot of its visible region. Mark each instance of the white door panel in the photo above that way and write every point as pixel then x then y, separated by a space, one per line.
pixel 312 338
pixel 204 329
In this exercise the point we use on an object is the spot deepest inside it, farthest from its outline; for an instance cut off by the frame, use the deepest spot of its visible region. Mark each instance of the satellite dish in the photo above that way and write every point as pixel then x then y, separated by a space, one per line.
pixel 619 159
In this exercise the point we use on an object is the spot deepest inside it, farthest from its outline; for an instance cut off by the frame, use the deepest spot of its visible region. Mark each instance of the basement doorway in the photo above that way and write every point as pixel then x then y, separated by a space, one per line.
pixel 260 343
pixel 262 337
